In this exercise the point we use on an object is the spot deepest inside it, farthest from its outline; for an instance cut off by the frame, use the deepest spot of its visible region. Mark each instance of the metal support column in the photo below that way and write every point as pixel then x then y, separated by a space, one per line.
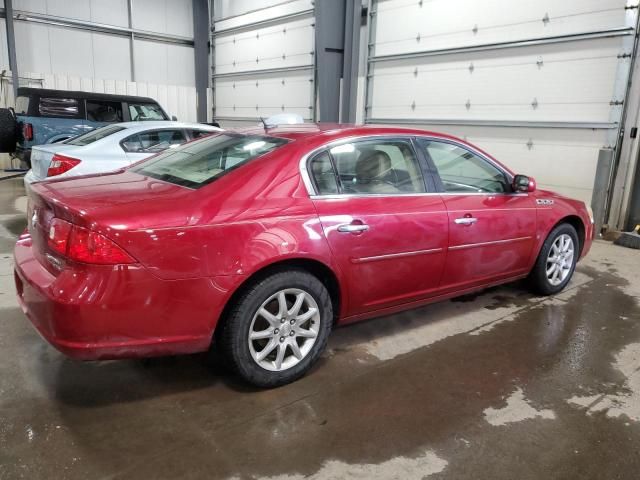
pixel 201 29
pixel 11 46
pixel 132 60
pixel 329 57
pixel 353 14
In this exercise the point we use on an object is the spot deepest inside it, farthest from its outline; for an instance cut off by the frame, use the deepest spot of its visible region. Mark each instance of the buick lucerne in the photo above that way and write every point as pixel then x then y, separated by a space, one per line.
pixel 260 241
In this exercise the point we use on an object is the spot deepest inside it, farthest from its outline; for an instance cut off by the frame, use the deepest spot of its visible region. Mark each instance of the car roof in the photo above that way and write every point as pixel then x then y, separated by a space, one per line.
pixel 153 124
pixel 45 92
pixel 314 135
pixel 333 131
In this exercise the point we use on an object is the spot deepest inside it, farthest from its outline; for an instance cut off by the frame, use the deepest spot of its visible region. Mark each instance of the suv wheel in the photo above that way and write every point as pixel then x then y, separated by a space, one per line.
pixel 557 260
pixel 8 129
pixel 278 328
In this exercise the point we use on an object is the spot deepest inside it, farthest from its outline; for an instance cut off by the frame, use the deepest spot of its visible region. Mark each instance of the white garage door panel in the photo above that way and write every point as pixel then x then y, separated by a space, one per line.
pixel 556 82
pixel 445 24
pixel 265 95
pixel 234 13
pixel 284 45
pixel 563 160
pixel 244 89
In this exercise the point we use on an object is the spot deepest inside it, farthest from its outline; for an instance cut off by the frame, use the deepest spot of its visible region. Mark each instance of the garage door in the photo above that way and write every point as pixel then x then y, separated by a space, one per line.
pixel 540 86
pixel 264 63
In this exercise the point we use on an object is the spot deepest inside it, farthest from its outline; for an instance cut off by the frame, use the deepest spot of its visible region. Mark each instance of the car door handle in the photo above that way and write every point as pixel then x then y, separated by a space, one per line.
pixel 466 220
pixel 353 228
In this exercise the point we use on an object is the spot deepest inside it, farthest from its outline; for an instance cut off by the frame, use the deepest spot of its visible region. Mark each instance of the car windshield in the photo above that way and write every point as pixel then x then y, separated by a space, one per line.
pixel 93 135
pixel 203 161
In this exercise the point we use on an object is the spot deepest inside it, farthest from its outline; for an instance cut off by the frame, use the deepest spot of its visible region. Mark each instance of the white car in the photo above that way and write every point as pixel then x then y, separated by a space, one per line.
pixel 110 148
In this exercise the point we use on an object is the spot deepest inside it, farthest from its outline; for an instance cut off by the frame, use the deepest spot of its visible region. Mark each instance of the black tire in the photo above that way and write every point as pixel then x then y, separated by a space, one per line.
pixel 232 337
pixel 8 129
pixel 539 281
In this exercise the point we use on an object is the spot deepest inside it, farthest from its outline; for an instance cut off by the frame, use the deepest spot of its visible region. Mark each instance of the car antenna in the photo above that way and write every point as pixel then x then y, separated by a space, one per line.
pixel 264 124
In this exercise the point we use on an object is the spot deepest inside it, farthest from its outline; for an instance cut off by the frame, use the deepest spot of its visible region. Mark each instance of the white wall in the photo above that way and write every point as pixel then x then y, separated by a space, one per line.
pixel 562 82
pixel 61 50
pixel 252 47
pixel 230 8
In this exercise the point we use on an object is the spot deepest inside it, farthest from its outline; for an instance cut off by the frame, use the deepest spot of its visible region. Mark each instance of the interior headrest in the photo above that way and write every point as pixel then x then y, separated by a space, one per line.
pixel 372 165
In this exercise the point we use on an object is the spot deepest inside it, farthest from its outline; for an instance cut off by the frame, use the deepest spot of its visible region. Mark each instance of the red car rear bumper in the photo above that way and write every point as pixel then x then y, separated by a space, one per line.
pixel 105 312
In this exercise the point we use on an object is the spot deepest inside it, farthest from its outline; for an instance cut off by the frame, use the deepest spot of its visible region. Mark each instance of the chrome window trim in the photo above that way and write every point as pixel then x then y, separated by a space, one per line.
pixel 340 196
pixel 308 182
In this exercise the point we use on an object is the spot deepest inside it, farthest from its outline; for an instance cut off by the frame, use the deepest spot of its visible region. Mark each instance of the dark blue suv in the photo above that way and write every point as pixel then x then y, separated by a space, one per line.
pixel 49 116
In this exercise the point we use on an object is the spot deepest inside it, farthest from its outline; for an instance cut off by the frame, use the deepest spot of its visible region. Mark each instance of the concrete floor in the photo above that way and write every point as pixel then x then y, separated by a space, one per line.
pixel 500 385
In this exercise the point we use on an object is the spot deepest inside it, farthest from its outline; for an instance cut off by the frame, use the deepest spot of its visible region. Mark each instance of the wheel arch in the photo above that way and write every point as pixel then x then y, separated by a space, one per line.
pixel 320 270
pixel 576 222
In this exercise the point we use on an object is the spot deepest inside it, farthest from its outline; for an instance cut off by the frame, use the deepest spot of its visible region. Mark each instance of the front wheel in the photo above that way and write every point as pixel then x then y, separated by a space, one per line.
pixel 557 260
pixel 278 328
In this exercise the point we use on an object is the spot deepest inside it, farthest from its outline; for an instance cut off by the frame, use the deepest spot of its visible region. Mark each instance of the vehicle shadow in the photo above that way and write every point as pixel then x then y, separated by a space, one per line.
pixel 96 384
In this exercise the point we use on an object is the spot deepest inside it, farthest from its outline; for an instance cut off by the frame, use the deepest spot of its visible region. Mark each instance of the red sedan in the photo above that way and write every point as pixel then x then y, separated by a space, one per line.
pixel 262 240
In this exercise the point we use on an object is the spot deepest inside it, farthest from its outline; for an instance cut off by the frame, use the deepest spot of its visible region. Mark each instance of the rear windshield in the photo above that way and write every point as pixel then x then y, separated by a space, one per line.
pixel 201 162
pixel 93 135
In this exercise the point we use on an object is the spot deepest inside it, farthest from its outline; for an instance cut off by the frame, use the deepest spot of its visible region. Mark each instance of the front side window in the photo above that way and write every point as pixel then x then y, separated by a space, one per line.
pixel 94 135
pixel 139 112
pixel 369 167
pixel 99 111
pixel 154 141
pixel 462 171
pixel 199 163
pixel 58 107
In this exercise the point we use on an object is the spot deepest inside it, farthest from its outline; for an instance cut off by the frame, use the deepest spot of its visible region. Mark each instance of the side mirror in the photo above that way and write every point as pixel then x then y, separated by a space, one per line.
pixel 174 118
pixel 522 183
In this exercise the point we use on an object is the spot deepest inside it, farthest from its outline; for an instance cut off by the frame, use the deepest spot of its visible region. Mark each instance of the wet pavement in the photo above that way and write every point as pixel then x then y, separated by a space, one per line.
pixel 499 385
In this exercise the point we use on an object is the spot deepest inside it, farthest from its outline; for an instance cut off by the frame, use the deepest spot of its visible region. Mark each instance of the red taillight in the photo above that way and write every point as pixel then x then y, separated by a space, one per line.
pixel 59 235
pixel 60 164
pixel 27 131
pixel 82 245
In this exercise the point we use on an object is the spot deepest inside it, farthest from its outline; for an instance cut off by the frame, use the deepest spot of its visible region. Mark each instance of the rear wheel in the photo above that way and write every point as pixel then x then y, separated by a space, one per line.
pixel 278 328
pixel 557 260
pixel 8 129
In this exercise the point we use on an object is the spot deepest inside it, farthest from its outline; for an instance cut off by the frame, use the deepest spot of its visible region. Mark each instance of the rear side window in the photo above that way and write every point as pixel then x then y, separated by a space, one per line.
pixel 153 142
pixel 369 167
pixel 22 105
pixel 99 111
pixel 94 135
pixel 58 107
pixel 201 162
pixel 140 112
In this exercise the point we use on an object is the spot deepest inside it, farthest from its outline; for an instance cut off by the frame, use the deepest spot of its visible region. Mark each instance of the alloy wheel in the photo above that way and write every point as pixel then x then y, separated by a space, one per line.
pixel 560 259
pixel 284 329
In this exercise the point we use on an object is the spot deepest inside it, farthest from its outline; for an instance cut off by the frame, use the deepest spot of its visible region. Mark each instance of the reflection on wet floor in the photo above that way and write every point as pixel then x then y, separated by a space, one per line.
pixel 500 384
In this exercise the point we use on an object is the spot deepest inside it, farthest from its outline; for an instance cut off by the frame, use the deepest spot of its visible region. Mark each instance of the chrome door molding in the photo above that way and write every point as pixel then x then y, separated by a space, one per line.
pixel 484 244
pixel 391 256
